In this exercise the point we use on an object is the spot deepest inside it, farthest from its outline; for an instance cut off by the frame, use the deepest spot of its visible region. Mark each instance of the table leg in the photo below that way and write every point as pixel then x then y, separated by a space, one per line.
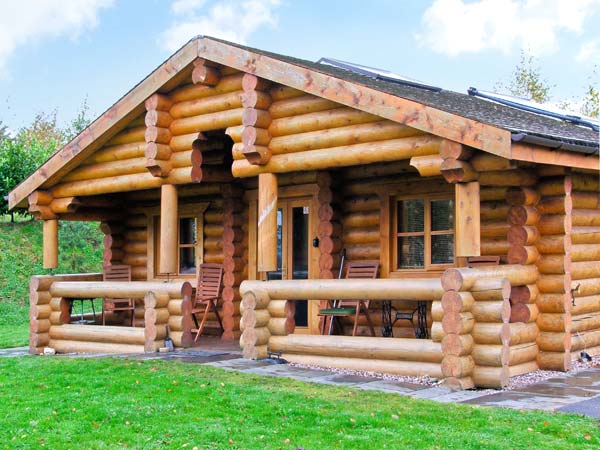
pixel 386 319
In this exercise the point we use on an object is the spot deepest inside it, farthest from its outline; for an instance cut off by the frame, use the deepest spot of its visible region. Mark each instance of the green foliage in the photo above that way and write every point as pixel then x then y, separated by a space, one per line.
pixel 80 251
pixel 526 81
pixel 32 146
pixel 21 155
pixel 591 99
pixel 3 132
pixel 116 403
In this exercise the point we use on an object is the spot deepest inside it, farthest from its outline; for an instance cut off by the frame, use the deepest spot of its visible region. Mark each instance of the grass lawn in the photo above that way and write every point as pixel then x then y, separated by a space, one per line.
pixel 112 403
pixel 21 257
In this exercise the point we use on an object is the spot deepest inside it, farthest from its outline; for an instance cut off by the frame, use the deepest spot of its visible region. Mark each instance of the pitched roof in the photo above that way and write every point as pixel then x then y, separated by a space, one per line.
pixel 515 120
pixel 465 119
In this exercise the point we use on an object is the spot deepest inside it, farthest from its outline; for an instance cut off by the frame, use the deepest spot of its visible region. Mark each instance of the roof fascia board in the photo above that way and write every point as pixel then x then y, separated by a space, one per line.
pixel 542 155
pixel 431 120
pixel 105 126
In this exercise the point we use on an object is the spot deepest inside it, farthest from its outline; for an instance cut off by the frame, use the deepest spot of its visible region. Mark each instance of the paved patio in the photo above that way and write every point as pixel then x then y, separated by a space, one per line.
pixel 575 393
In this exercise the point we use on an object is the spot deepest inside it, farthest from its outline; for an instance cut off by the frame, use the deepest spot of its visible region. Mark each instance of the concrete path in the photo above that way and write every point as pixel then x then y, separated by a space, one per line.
pixel 575 393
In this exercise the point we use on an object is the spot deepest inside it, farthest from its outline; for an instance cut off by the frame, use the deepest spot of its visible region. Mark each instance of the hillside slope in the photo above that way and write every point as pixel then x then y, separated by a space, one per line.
pixel 21 257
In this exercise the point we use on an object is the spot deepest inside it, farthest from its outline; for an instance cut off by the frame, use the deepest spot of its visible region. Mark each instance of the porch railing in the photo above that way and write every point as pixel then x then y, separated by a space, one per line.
pixel 473 342
pixel 164 304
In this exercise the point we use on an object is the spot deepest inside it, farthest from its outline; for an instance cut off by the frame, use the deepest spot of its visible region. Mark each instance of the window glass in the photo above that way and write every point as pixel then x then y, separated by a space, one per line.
pixel 442 215
pixel 411 216
pixel 187 261
pixel 442 249
pixel 411 252
pixel 187 230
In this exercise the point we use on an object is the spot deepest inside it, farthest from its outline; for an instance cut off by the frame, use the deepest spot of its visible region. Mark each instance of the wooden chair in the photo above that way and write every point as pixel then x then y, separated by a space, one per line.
pixel 117 272
pixel 347 308
pixel 208 291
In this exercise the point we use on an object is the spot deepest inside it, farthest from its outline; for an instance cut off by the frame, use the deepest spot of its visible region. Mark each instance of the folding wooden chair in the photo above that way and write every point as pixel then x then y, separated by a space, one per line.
pixel 347 308
pixel 208 291
pixel 117 272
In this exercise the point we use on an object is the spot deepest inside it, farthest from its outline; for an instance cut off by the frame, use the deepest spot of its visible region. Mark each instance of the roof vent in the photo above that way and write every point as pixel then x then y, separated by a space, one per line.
pixel 536 108
pixel 377 74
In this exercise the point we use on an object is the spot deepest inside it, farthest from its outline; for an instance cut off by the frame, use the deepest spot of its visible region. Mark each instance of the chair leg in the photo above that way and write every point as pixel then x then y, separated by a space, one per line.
pixel 201 326
pixel 355 329
pixel 366 311
pixel 214 306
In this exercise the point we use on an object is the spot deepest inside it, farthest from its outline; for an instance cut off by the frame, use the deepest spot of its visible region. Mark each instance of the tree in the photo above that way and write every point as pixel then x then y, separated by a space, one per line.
pixel 527 81
pixel 3 132
pixel 591 100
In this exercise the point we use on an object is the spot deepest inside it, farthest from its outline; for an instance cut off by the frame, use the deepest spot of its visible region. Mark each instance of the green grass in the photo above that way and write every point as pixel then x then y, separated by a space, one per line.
pixel 113 403
pixel 21 257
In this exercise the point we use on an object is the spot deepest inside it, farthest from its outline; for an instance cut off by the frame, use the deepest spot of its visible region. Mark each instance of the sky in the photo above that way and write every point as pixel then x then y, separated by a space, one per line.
pixel 56 54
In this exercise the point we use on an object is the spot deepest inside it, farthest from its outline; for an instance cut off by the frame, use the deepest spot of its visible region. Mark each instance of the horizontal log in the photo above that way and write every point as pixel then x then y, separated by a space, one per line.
pixel 206 105
pixel 581 341
pixel 320 121
pixel 493 211
pixel 523 235
pixel 516 177
pixel 521 333
pixel 584 305
pixel 427 166
pixel 465 278
pixel 491 311
pixel 523 353
pixel 92 333
pixel 192 91
pixel 295 106
pixel 554 341
pixel 341 136
pixel 524 294
pixel 585 235
pixel 128 136
pixel 525 255
pixel 390 150
pixel 457 345
pixel 560 361
pixel 517 196
pixel 404 368
pixel 457 366
pixel 359 347
pixel 206 122
pixel 486 162
pixel 490 377
pixel 380 289
pixel 64 346
pixel 585 322
pixel 490 355
pixel 361 220
pixel 115 289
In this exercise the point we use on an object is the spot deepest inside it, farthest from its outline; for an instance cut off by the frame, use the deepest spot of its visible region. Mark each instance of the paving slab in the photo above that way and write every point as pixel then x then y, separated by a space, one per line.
pixel 590 408
pixel 14 352
pixel 461 396
pixel 396 387
pixel 430 393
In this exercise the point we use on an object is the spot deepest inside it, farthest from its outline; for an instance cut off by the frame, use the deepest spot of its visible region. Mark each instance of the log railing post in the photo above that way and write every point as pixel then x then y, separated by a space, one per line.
pixel 255 324
pixel 234 268
pixel 554 222
pixel 267 222
pixel 156 318
pixel 468 224
pixel 50 243
pixel 169 229
pixel 157 136
pixel 457 341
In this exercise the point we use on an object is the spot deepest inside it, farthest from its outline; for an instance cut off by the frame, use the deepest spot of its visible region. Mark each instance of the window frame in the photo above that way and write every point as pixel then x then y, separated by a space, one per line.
pixel 427 233
pixel 186 211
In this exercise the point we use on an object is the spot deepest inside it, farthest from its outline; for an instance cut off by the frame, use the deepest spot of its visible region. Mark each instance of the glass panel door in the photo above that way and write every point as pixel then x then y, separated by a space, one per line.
pixel 299 256
pixel 293 228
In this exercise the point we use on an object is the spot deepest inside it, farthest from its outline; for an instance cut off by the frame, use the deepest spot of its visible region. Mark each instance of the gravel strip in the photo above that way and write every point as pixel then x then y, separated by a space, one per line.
pixel 516 382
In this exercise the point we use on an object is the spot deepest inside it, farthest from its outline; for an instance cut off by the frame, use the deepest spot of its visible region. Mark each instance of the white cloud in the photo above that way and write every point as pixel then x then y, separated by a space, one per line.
pixel 589 51
pixel 453 27
pixel 232 20
pixel 24 22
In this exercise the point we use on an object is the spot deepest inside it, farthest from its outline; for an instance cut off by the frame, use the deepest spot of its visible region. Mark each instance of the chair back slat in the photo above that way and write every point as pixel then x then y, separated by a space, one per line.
pixel 360 270
pixel 116 272
pixel 210 279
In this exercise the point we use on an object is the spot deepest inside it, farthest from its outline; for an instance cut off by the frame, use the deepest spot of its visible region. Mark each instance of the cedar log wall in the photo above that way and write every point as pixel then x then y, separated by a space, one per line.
pixel 527 213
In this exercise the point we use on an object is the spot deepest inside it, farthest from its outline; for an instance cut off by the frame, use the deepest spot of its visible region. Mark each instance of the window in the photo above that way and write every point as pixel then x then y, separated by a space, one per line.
pixel 424 233
pixel 189 240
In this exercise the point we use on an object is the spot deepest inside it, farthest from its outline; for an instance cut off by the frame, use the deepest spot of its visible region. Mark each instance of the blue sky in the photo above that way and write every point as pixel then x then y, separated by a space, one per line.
pixel 56 53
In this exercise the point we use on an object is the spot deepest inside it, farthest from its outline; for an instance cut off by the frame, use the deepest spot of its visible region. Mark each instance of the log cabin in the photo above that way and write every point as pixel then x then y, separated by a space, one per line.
pixel 274 166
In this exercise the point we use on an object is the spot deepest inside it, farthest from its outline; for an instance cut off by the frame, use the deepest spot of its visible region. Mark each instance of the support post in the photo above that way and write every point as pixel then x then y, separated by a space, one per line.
pixel 267 222
pixel 468 223
pixel 168 229
pixel 50 238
